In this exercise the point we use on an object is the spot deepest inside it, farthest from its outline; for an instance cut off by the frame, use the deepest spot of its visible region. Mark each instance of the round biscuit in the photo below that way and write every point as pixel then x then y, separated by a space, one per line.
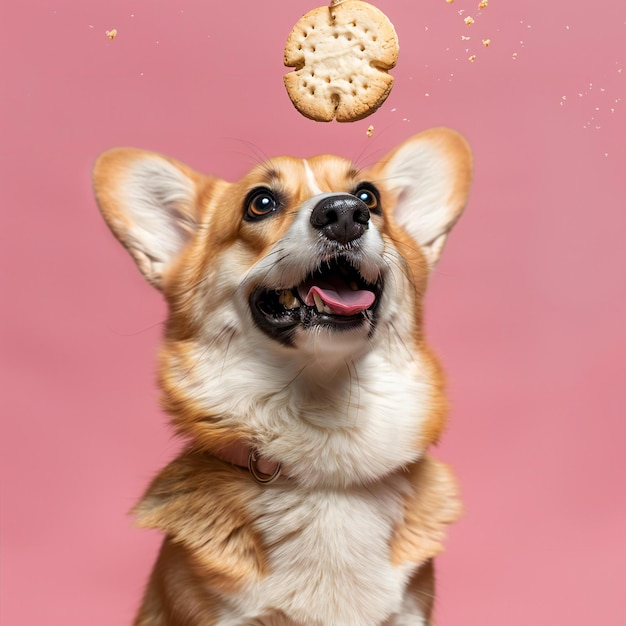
pixel 341 56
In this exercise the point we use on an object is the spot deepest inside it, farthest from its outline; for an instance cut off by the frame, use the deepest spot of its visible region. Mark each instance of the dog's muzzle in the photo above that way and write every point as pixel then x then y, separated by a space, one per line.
pixel 334 295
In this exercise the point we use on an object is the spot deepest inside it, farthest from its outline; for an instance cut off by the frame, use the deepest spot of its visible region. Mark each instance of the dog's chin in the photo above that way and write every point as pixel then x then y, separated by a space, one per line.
pixel 335 302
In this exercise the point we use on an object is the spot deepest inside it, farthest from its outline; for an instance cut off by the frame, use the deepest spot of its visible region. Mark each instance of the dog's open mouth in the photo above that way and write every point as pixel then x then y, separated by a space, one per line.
pixel 335 296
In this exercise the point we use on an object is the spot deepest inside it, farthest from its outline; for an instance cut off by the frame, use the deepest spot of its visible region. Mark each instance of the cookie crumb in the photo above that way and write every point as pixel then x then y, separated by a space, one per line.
pixel 472 58
pixel 111 34
pixel 370 131
pixel 486 42
pixel 483 4
pixel 469 20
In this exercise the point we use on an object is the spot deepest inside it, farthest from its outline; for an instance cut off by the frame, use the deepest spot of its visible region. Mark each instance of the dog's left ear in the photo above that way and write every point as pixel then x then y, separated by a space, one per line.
pixel 429 176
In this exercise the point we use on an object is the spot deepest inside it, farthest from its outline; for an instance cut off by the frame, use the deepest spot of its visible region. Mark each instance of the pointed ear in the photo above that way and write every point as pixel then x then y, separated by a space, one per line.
pixel 150 202
pixel 429 176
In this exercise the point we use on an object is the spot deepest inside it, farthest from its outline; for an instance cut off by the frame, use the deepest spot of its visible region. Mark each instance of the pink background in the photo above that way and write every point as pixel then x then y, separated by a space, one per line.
pixel 526 309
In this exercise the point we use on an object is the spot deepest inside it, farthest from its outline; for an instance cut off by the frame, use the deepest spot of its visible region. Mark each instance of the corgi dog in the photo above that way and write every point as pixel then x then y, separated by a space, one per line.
pixel 295 367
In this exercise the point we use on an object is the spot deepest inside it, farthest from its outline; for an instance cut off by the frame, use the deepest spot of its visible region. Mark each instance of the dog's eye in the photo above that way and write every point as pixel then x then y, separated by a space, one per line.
pixel 368 194
pixel 260 203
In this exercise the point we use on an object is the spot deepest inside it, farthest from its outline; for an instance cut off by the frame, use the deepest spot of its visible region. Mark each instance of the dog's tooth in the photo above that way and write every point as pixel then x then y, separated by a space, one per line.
pixel 319 305
pixel 288 300
pixel 327 309
pixel 294 303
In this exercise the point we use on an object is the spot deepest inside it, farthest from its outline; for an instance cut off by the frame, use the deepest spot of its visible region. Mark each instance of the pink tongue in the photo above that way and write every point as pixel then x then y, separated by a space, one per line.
pixel 341 301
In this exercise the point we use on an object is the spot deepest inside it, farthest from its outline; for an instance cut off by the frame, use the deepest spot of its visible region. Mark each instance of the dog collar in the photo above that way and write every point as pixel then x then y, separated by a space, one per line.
pixel 263 470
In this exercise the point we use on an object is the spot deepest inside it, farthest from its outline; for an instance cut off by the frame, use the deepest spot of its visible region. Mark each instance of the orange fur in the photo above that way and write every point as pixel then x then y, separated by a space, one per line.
pixel 432 505
pixel 201 506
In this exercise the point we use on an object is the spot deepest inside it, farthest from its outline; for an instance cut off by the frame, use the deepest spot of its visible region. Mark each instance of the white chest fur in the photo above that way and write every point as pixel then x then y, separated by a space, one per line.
pixel 329 558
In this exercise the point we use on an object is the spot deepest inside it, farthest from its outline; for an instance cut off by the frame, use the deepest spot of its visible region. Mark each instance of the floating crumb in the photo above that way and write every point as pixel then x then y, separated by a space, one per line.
pixel 112 34
pixel 449 1
pixel 464 38
pixel 483 3
pixel 472 58
pixel 486 42
pixel 469 20
pixel 515 55
pixel 370 131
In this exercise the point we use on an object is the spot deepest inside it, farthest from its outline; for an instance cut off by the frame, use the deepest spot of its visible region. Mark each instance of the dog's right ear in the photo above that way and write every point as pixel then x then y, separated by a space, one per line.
pixel 151 204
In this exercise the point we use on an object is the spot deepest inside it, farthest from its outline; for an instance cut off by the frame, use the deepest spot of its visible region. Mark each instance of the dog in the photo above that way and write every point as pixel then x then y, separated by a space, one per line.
pixel 294 365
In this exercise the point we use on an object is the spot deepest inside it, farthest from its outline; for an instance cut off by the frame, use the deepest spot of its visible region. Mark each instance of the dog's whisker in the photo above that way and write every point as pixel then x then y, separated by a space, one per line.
pixel 293 380
pixel 257 153
pixel 405 245
pixel 353 373
pixel 425 594
pixel 139 332
pixel 203 353
pixel 391 261
pixel 401 340
pixel 225 360
pixel 268 256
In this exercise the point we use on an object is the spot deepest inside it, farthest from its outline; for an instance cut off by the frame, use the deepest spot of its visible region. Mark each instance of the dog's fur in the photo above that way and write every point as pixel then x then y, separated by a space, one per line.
pixel 347 403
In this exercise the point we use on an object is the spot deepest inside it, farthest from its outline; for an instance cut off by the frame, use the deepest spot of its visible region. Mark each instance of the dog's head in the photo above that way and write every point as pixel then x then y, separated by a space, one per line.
pixel 295 298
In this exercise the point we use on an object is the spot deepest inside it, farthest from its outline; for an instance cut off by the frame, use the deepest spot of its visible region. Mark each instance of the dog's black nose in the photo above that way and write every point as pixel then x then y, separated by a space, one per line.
pixel 342 218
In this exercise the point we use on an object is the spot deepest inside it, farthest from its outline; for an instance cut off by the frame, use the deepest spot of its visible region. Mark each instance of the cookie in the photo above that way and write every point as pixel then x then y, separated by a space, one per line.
pixel 341 55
